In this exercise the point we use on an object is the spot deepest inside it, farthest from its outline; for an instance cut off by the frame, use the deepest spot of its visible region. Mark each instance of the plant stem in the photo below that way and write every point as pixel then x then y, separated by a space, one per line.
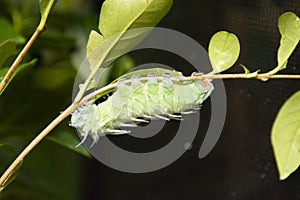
pixel 20 57
pixel 46 131
pixel 262 77
pixel 99 91
pixel 72 107
pixel 10 170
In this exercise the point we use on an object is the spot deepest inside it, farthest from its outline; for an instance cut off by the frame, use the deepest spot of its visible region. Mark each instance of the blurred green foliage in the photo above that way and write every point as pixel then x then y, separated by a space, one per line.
pixel 38 94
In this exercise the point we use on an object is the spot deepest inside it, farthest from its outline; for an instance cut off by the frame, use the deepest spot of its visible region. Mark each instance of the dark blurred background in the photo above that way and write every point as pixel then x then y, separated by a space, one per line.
pixel 241 165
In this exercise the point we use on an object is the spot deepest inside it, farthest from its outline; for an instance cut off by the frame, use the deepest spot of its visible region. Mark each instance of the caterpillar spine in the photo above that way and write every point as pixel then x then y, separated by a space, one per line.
pixel 136 99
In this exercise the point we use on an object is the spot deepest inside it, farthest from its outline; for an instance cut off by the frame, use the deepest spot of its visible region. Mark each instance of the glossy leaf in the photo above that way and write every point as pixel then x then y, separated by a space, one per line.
pixel 6 49
pixel 286 137
pixel 114 47
pixel 21 67
pixel 45 8
pixel 118 16
pixel 116 19
pixel 223 51
pixel 289 27
pixel 118 68
pixel 95 39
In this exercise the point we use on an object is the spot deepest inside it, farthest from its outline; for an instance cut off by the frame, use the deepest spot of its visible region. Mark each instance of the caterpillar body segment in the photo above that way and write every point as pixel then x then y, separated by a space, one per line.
pixel 136 100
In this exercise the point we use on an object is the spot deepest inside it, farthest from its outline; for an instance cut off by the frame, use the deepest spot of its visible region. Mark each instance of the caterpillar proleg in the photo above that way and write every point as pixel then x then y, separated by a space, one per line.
pixel 161 95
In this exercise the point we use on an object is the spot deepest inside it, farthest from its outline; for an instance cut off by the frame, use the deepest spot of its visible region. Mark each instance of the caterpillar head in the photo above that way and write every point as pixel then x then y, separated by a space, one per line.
pixel 85 120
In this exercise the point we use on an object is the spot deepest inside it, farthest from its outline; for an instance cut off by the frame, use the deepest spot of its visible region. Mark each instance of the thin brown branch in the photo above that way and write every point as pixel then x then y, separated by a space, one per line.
pixel 73 106
pixel 99 91
pixel 262 77
pixel 46 131
pixel 34 142
pixel 18 60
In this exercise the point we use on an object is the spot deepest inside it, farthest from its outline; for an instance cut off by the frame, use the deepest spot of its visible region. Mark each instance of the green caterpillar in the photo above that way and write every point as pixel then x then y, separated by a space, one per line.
pixel 161 95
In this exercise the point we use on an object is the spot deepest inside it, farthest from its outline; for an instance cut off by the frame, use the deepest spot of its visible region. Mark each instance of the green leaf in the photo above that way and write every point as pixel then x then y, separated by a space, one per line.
pixel 93 84
pixel 68 140
pixel 246 70
pixel 45 8
pixel 289 27
pixel 19 68
pixel 116 19
pixel 285 137
pixel 118 16
pixel 11 176
pixel 9 33
pixel 223 51
pixel 121 66
pixel 112 48
pixel 6 49
pixel 95 39
pixel 7 147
